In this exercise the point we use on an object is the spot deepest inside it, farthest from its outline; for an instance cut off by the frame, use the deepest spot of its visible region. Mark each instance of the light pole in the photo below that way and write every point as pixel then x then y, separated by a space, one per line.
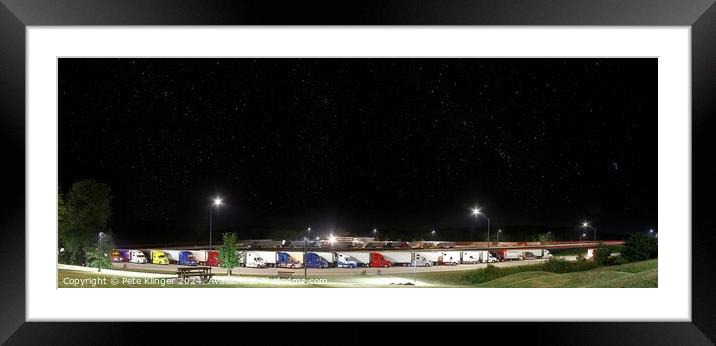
pixel 582 237
pixel 476 212
pixel 586 224
pixel 498 236
pixel 305 255
pixel 217 203
pixel 433 234
pixel 547 236
pixel 99 251
pixel 375 233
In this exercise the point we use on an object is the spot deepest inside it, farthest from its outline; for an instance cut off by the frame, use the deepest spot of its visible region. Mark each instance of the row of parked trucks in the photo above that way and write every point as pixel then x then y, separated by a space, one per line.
pixel 326 259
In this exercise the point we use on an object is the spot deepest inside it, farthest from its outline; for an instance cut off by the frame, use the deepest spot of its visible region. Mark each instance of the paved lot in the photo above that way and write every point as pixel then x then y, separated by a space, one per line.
pixel 171 268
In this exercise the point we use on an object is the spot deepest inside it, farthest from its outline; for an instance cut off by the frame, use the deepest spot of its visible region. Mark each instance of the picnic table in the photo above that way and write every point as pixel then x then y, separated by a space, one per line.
pixel 285 274
pixel 201 272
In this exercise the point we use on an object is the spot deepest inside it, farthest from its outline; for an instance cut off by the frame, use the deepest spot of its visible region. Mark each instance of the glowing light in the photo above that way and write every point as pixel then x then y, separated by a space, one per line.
pixel 475 211
pixel 217 201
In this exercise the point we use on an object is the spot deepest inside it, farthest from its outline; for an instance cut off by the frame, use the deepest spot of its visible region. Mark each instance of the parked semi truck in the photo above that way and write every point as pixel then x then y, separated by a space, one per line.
pixel 133 256
pixel 328 256
pixel 432 256
pixel 285 260
pixel 398 258
pixel 348 260
pixel 521 254
pixel 478 256
pixel 421 261
pixel 181 257
pixel 116 256
pixel 378 260
pixel 449 258
pixel 512 255
pixel 156 256
pixel 254 259
pixel 313 260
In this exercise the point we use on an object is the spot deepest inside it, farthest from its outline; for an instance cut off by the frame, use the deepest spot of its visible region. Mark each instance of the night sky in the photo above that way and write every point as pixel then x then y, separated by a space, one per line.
pixel 345 145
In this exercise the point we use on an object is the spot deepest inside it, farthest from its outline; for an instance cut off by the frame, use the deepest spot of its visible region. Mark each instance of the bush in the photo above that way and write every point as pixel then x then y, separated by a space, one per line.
pixel 560 265
pixel 640 247
pixel 602 255
pixel 490 273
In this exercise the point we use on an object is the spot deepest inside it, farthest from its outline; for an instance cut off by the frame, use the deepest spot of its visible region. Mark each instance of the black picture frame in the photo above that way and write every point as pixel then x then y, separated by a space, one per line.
pixel 700 16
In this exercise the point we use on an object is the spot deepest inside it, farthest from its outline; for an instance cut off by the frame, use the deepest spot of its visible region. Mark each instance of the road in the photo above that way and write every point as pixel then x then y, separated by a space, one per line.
pixel 171 268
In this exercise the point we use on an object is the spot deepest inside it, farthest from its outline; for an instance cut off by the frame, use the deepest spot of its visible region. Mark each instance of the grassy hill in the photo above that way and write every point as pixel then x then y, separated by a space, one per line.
pixel 637 274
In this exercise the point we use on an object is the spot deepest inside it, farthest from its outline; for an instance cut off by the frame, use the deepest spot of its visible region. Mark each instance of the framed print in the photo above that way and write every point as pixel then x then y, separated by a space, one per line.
pixel 445 162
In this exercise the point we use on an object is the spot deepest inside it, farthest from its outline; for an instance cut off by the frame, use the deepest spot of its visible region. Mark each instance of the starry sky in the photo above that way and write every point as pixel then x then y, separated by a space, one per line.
pixel 350 144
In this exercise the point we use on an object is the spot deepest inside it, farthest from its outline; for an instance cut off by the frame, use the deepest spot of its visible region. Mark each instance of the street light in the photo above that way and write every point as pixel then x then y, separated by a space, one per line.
pixel 217 203
pixel 582 237
pixel 99 252
pixel 498 236
pixel 547 236
pixel 476 212
pixel 586 224
pixel 433 234
pixel 305 254
pixel 375 233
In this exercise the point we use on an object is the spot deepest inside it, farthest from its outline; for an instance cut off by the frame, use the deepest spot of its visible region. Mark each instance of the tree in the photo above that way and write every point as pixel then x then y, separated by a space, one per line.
pixel 640 247
pixel 82 216
pixel 228 253
pixel 602 255
pixel 95 259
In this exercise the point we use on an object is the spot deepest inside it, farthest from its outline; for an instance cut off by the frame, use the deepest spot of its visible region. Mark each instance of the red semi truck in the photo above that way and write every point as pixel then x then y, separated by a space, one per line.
pixel 378 260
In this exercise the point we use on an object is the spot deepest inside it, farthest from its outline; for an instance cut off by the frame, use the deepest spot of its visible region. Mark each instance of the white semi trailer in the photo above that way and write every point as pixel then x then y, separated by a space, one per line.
pixel 362 259
pixel 431 256
pixel 329 256
pixel 172 255
pixel 477 256
pixel 537 253
pixel 260 259
pixel 398 258
pixel 449 257
pixel 201 256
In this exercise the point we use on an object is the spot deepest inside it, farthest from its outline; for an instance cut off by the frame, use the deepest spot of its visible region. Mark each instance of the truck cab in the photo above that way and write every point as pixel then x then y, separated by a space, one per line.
pixel 315 261
pixel 159 257
pixel 378 260
pixel 420 261
pixel 116 256
pixel 136 256
pixel 345 261
pixel 255 262
pixel 213 258
pixel 186 258
pixel 285 260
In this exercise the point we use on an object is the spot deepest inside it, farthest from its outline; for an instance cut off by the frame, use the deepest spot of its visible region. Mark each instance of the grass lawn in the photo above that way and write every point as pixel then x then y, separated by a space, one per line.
pixel 637 274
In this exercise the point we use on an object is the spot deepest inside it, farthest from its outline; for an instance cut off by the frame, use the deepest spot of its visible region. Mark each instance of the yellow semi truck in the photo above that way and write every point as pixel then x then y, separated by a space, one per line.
pixel 156 256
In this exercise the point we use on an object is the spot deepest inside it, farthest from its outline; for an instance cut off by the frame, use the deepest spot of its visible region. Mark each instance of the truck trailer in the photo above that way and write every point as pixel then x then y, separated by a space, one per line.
pixel 449 258
pixel 398 258
pixel 432 256
pixel 260 259
pixel 478 256
pixel 328 256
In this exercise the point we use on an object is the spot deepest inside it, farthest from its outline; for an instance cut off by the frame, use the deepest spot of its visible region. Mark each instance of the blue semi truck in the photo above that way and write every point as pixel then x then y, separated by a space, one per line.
pixel 313 260
pixel 287 260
